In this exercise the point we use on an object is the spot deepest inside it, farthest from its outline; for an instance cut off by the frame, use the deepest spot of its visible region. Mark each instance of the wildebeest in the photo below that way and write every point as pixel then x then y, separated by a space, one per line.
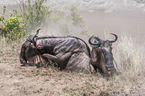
pixel 71 53
pixel 101 55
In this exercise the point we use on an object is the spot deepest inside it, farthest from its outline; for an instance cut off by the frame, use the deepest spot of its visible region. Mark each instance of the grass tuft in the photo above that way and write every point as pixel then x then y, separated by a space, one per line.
pixel 129 57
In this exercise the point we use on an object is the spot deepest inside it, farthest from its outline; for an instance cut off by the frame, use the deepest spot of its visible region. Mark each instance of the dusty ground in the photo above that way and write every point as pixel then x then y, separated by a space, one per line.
pixel 31 81
pixel 21 81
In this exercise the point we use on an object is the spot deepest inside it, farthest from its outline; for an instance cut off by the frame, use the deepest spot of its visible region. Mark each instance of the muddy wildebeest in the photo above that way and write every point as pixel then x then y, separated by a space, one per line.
pixel 101 55
pixel 71 53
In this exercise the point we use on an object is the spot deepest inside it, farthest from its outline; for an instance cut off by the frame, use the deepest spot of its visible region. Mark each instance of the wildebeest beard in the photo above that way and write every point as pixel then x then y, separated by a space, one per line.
pixel 29 51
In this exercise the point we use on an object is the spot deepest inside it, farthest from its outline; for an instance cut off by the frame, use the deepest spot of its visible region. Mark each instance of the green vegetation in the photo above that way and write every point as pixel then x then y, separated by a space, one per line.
pixel 11 28
pixel 33 15
pixel 77 19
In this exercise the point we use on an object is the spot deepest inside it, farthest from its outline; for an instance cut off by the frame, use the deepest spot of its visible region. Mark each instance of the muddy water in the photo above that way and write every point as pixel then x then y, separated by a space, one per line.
pixel 123 22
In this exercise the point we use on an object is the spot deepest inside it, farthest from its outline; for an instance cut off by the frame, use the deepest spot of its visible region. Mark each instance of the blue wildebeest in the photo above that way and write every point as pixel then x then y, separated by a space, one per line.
pixel 70 53
pixel 101 55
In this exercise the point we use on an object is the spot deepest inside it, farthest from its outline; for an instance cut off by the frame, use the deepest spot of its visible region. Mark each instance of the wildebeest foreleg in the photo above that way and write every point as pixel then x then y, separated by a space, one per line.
pixel 52 58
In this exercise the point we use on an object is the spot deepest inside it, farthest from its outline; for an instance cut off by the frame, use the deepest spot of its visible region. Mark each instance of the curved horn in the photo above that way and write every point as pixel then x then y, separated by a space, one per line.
pixel 116 37
pixel 93 43
pixel 35 34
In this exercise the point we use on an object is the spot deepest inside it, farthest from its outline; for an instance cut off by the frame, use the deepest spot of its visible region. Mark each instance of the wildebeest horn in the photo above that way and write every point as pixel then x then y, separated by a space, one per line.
pixel 31 37
pixel 36 34
pixel 116 37
pixel 98 43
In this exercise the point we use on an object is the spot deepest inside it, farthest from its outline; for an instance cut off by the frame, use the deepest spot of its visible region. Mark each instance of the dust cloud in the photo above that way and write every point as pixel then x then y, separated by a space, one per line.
pixel 102 17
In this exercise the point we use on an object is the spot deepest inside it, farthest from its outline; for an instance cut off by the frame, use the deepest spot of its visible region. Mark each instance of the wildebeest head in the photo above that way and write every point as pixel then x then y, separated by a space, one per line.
pixel 28 49
pixel 101 55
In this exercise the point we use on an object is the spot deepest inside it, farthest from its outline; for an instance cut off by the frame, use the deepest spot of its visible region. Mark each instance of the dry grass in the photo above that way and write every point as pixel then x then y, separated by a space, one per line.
pixel 31 81
pixel 129 57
